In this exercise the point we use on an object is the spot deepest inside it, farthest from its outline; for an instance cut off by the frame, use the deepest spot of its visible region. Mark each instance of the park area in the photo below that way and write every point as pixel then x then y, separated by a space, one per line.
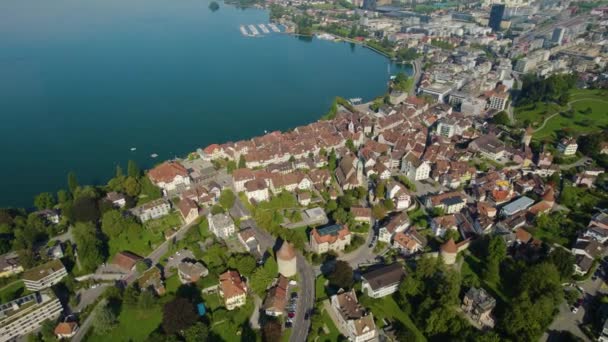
pixel 586 111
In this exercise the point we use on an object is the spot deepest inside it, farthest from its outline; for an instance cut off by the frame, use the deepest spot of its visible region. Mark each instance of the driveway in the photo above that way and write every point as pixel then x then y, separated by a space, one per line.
pixel 363 255
pixel 88 296
pixel 86 325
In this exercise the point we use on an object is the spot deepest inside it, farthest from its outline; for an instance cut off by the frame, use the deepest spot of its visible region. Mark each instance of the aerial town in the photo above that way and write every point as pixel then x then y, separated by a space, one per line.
pixel 469 202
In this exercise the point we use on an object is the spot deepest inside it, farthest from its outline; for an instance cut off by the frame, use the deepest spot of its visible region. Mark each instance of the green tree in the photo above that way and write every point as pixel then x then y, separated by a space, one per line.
pixel 141 266
pixel 244 263
pixel 380 190
pixel 146 300
pixel 44 200
pixel 563 261
pixel 72 182
pixel 502 118
pixel 378 211
pixel 113 223
pixel 178 314
pixel 199 332
pixel 227 198
pixel 132 187
pixel 133 170
pixel 62 196
pixel 242 162
pixel 341 276
pixel 332 161
pixel 105 320
pixel 84 209
pixel 91 249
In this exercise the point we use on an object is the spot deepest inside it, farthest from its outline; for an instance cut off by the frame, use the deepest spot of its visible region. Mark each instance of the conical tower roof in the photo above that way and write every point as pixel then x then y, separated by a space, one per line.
pixel 286 252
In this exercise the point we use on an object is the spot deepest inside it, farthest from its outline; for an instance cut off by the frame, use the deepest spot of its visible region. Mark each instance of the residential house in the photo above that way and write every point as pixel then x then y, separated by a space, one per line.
pixel 49 215
pixel 442 224
pixel 24 315
pixel 152 210
pixel 221 225
pixel 414 168
pixel 170 176
pixel 126 261
pixel 240 177
pixel 233 290
pixel 409 242
pixel 382 281
pixel 399 194
pixel 396 224
pixel 152 279
pixel 257 190
pixel 489 146
pixel 118 200
pixel 449 202
pixel 567 146
pixel 304 198
pixel 352 317
pixel 247 238
pixel 329 238
pixel 478 305
pixel 191 271
pixel 43 276
pixel 188 209
pixel 66 330
pixel 276 298
pixel 361 214
pixel 9 264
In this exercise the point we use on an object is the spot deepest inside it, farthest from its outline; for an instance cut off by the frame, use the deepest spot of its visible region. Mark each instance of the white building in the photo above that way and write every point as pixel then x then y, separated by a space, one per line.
pixel 415 168
pixel 256 190
pixel 221 225
pixel 44 276
pixel 26 314
pixel 382 281
pixel 152 210
pixel 169 176
pixel 567 146
pixel 397 223
pixel 353 318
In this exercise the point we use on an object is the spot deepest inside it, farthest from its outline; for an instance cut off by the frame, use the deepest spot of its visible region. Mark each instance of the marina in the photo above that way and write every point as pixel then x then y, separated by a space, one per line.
pixel 254 30
pixel 259 30
pixel 274 27
pixel 264 28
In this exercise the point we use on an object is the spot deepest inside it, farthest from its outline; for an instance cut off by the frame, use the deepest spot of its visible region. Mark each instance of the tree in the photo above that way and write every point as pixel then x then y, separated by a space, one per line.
pixel 378 211
pixel 332 161
pixel 62 196
pixel 113 223
pixel 133 170
pixel 341 276
pixel 72 182
pixel 242 162
pixel 146 300
pixel 199 332
pixel 44 200
pixel 271 331
pixel 90 248
pixel 496 252
pixel 84 209
pixel 501 118
pixel 105 320
pixel 227 198
pixel 230 166
pixel 48 331
pixel 141 266
pixel 563 261
pixel 178 314
pixel 380 190
pixel 132 187
pixel 350 145
pixel 130 296
pixel 244 263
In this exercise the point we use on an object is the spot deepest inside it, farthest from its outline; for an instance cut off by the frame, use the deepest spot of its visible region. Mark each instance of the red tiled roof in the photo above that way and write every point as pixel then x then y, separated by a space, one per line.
pixel 167 171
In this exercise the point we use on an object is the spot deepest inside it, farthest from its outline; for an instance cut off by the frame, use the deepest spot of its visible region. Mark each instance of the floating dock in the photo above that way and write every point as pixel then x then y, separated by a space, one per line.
pixel 244 31
pixel 274 27
pixel 264 28
pixel 254 31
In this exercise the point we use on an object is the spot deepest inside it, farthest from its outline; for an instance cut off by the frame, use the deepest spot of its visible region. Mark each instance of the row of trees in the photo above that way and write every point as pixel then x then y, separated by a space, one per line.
pixel 555 88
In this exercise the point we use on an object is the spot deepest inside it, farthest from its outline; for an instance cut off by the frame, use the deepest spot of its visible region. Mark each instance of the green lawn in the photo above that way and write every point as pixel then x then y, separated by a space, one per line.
pixel 386 307
pixel 141 244
pixel 173 220
pixel 133 325
pixel 12 291
pixel 229 326
pixel 172 284
pixel 320 288
pixel 473 266
pixel 582 121
pixel 333 332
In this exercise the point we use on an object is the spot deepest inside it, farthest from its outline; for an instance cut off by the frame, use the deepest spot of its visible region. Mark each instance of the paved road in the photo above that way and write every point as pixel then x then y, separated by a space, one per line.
pixel 306 287
pixel 417 65
pixel 363 255
pixel 89 296
pixel 86 325
pixel 566 320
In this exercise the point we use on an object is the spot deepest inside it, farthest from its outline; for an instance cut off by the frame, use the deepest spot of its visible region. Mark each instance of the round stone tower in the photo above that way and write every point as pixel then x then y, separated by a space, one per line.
pixel 286 260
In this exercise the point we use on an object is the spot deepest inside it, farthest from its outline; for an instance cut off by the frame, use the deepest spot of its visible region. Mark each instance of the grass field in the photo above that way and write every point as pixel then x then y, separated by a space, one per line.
pixel 142 244
pixel 386 307
pixel 133 325
pixel 590 107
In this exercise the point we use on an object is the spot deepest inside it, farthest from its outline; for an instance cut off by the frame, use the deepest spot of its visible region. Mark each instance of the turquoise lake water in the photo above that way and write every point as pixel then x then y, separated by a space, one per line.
pixel 83 81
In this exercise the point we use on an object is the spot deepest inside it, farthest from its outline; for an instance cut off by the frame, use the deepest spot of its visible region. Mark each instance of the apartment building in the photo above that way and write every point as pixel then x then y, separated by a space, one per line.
pixel 44 276
pixel 26 314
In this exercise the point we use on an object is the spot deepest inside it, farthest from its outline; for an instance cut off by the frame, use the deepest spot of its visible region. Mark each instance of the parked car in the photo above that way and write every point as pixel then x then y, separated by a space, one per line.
pixel 288 324
pixel 294 295
pixel 291 314
pixel 574 309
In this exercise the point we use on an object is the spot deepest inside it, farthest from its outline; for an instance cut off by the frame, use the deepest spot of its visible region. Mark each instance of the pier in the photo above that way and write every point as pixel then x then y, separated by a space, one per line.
pixel 244 31
pixel 264 28
pixel 274 27
pixel 254 31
